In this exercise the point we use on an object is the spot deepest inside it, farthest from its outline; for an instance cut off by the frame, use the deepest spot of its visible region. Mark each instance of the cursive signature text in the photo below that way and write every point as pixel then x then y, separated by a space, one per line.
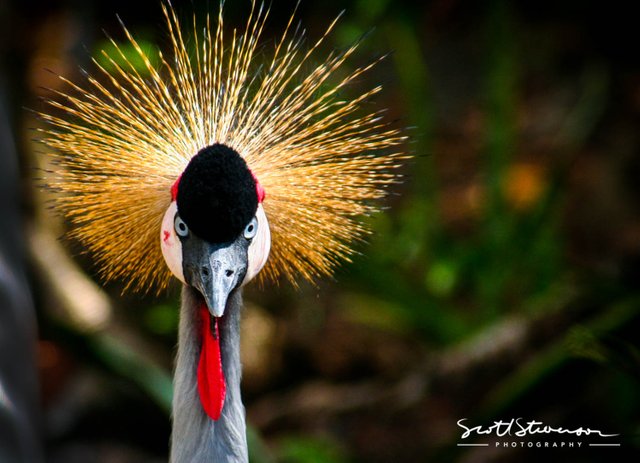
pixel 516 427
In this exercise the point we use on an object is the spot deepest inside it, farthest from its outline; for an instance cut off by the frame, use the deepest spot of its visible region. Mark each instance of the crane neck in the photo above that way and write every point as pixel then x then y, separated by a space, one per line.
pixel 196 437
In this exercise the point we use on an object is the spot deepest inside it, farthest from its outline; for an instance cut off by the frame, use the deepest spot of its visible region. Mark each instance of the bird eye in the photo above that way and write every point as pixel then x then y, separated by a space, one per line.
pixel 251 229
pixel 181 227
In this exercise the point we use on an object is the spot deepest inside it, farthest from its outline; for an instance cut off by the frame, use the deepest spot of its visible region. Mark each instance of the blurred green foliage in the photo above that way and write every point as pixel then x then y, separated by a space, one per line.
pixel 112 55
pixel 511 255
pixel 309 450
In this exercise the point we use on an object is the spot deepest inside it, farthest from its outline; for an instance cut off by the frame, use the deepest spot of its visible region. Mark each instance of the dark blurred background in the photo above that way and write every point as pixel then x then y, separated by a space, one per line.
pixel 500 280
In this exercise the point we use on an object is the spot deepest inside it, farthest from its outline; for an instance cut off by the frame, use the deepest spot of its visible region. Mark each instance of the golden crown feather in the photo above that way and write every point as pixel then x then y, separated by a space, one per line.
pixel 121 139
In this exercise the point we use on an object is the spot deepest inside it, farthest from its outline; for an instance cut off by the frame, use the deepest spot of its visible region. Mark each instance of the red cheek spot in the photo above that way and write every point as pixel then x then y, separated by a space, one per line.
pixel 166 236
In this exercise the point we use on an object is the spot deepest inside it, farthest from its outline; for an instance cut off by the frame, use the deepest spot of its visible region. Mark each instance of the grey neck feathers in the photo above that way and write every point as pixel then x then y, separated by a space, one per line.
pixel 196 437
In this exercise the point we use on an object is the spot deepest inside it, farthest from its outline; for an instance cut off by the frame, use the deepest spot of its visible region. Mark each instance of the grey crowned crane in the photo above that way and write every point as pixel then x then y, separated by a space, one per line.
pixel 209 167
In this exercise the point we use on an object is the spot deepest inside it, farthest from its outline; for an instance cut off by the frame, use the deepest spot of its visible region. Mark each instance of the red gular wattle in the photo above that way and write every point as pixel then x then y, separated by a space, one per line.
pixel 212 386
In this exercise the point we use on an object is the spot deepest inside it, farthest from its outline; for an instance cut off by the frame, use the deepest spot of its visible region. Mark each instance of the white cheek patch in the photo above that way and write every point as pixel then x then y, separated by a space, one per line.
pixel 259 248
pixel 170 243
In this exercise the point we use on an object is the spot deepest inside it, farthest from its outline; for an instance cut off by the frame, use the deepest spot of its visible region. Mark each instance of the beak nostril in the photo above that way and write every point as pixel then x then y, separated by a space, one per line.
pixel 228 273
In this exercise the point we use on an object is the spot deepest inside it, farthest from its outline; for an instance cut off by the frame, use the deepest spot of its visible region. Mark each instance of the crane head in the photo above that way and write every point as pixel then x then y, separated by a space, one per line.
pixel 215 235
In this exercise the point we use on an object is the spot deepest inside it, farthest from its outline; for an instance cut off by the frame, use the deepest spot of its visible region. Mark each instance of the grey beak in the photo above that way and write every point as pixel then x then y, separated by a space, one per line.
pixel 214 269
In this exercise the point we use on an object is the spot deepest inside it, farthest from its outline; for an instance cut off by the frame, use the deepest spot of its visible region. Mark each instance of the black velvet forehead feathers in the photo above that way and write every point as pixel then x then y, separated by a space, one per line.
pixel 216 194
